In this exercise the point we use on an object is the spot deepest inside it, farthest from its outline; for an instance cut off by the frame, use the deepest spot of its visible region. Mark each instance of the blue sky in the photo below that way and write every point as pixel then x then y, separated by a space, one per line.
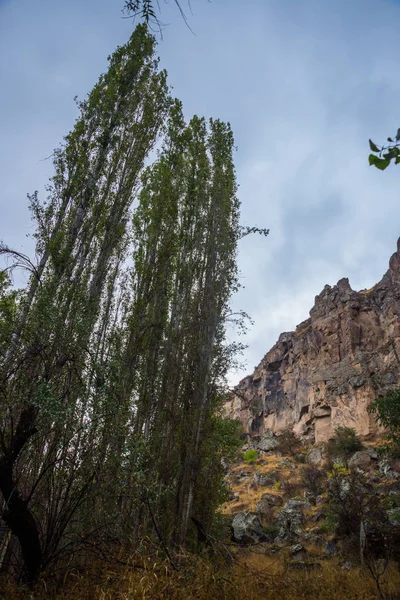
pixel 304 84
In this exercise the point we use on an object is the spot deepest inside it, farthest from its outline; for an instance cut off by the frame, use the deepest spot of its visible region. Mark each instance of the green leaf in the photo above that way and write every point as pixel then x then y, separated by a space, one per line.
pixel 373 146
pixel 379 163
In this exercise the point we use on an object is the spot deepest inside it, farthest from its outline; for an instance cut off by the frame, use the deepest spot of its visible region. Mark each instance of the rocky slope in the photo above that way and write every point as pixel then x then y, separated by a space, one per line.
pixel 326 373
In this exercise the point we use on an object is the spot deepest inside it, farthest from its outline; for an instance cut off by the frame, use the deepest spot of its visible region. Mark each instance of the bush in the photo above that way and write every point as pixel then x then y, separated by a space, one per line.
pixel 345 442
pixel 250 456
pixel 313 479
pixel 288 443
pixel 271 530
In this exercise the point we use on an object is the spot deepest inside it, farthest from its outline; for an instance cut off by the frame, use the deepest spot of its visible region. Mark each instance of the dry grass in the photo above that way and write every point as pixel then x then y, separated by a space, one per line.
pixel 254 576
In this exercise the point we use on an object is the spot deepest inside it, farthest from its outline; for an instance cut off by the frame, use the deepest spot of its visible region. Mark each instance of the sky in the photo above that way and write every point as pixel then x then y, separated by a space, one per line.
pixel 304 84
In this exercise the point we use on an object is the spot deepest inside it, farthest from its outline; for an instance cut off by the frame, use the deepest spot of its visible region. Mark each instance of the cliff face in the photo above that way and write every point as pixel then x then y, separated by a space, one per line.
pixel 327 372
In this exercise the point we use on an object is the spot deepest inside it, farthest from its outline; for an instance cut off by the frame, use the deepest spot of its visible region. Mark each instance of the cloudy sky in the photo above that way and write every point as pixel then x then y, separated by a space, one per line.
pixel 304 84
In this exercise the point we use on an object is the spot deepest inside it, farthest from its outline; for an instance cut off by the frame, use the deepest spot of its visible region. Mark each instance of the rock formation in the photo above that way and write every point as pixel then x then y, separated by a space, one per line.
pixel 326 373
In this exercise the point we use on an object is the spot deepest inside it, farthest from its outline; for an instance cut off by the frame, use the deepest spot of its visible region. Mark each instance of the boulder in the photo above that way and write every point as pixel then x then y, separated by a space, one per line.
pixel 316 456
pixel 360 460
pixel 267 502
pixel 246 528
pixel 297 504
pixel 286 462
pixel 290 522
pixel 372 452
pixel 267 441
pixel 268 480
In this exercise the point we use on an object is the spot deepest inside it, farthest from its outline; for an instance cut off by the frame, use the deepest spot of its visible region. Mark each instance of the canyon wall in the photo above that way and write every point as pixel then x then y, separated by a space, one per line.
pixel 326 373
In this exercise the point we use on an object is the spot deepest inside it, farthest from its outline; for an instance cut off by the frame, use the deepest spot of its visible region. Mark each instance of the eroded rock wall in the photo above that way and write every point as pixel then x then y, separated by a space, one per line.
pixel 326 373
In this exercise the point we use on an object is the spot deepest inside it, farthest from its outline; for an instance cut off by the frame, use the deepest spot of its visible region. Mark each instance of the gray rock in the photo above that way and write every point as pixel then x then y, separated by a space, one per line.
pixel 272 499
pixel 372 452
pixel 386 469
pixel 246 528
pixel 316 456
pixel 290 522
pixel 286 462
pixel 297 504
pixel 267 441
pixel 357 381
pixel 267 502
pixel 360 460
pixel 268 480
pixel 344 489
pixel 296 548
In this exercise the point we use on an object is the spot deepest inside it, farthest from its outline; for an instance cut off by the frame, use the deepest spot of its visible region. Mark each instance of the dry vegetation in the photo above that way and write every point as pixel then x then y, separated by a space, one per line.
pixel 253 576
pixel 224 571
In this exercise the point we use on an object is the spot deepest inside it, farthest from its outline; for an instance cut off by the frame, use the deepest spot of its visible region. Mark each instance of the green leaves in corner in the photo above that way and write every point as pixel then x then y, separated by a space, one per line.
pixel 373 146
pixel 379 163
pixel 385 154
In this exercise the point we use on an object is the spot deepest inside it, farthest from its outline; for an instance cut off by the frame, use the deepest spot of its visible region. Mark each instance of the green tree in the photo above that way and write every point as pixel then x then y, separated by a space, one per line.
pixel 46 383
pixel 387 410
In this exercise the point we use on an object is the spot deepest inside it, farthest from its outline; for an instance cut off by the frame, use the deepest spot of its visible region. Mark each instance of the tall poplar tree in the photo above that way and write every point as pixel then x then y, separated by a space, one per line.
pixel 81 238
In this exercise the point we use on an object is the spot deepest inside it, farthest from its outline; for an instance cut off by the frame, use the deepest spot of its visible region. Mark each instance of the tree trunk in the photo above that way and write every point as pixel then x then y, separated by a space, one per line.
pixel 16 514
pixel 19 519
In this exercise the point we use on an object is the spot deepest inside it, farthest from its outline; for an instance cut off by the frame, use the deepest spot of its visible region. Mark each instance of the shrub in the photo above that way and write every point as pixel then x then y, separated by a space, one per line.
pixel 250 456
pixel 288 443
pixel 345 442
pixel 313 479
pixel 271 530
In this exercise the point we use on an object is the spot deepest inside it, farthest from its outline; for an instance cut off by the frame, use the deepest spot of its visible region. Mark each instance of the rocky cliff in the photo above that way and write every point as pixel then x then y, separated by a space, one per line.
pixel 326 373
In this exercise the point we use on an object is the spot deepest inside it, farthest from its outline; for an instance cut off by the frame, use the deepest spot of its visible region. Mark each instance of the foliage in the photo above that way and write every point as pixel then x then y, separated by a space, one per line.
pixel 288 442
pixel 8 310
pixel 146 10
pixel 338 471
pixel 271 530
pixel 344 443
pixel 383 155
pixel 354 505
pixel 250 456
pixel 313 479
pixel 116 355
pixel 387 410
